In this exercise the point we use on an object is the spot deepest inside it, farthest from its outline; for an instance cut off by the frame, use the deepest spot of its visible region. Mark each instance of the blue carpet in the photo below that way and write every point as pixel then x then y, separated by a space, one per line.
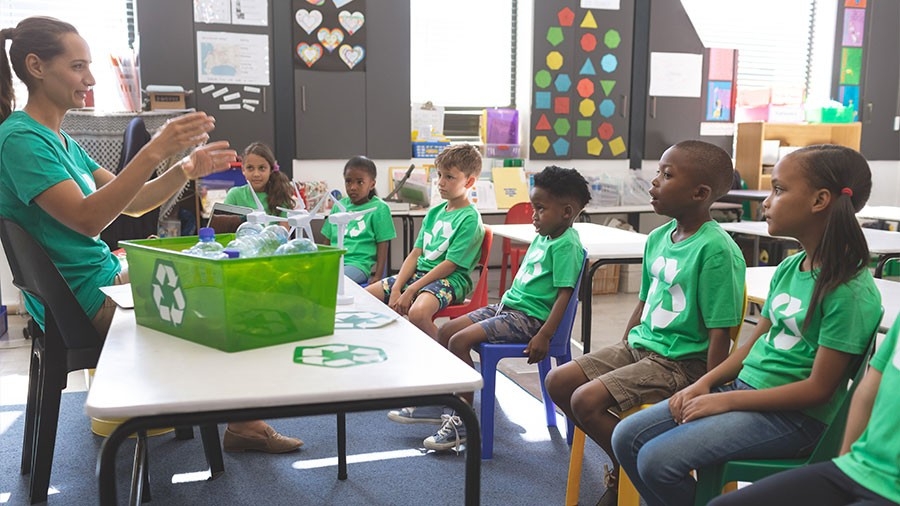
pixel 529 465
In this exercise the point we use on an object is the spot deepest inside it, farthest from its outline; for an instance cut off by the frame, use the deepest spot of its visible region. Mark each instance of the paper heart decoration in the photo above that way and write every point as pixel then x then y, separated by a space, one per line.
pixel 340 3
pixel 351 21
pixel 308 20
pixel 330 39
pixel 309 53
pixel 351 55
pixel 315 2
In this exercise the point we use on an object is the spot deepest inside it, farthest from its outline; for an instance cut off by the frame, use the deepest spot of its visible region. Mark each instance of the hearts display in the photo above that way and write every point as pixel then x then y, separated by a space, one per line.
pixel 310 54
pixel 351 55
pixel 351 21
pixel 308 20
pixel 315 2
pixel 330 39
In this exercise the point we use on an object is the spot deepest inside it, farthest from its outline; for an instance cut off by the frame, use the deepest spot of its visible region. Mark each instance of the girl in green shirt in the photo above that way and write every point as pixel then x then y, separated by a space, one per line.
pixel 264 177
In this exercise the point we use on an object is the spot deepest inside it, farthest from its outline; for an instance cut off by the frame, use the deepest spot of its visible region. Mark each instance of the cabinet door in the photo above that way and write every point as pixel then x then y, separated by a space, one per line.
pixel 673 119
pixel 881 82
pixel 387 80
pixel 331 114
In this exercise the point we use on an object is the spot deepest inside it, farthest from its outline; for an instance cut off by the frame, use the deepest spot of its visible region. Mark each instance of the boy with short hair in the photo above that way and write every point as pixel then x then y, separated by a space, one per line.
pixel 532 308
pixel 692 291
pixel 435 274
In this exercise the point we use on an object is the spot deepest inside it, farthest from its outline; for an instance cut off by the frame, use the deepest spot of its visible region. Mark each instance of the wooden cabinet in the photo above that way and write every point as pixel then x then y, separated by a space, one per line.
pixel 750 137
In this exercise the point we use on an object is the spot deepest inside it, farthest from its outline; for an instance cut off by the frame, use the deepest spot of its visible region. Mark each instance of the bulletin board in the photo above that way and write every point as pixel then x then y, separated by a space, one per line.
pixel 581 79
pixel 330 35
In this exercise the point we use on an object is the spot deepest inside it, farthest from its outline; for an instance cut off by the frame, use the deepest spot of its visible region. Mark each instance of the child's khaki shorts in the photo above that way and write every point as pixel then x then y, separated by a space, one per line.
pixel 637 376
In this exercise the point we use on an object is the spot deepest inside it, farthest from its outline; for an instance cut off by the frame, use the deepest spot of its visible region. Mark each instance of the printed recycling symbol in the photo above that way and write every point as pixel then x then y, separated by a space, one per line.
pixel 167 293
pixel 338 355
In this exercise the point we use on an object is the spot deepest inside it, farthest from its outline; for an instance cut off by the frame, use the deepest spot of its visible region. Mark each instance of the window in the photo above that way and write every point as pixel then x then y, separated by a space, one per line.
pixel 463 58
pixel 108 26
pixel 775 39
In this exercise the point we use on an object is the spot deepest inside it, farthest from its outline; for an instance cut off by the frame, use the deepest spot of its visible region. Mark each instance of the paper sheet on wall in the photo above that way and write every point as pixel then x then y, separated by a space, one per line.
pixel 212 11
pixel 250 12
pixel 427 121
pixel 675 74
pixel 233 58
pixel 510 186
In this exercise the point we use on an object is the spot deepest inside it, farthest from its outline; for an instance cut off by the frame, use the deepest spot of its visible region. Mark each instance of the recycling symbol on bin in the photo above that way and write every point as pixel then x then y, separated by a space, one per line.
pixel 338 355
pixel 167 294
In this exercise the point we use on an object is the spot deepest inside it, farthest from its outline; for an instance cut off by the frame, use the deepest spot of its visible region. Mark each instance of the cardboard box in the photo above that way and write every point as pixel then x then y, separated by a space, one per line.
pixel 234 304
pixel 166 100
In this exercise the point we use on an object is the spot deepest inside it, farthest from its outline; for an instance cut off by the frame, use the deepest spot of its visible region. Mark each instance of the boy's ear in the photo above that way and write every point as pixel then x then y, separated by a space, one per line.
pixel 470 181
pixel 569 211
pixel 702 192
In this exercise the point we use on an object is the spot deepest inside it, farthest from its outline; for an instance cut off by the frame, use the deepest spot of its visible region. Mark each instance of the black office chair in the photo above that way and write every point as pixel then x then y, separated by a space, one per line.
pixel 126 227
pixel 68 343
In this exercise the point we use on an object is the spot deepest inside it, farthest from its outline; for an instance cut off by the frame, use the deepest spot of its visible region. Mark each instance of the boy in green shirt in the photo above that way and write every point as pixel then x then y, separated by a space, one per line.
pixel 435 274
pixel 868 470
pixel 692 290
pixel 532 308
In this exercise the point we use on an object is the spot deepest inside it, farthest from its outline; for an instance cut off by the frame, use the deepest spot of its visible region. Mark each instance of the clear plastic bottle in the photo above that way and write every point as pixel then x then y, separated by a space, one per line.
pixel 271 238
pixel 248 228
pixel 247 246
pixel 299 245
pixel 207 246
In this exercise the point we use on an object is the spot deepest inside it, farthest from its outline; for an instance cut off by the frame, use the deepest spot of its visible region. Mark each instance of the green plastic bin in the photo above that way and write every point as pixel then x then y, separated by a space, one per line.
pixel 232 304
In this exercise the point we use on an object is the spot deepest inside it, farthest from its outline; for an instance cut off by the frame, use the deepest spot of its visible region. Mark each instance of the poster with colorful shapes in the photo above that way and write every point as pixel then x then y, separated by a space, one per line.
pixel 582 72
pixel 718 101
pixel 851 65
pixel 330 35
pixel 849 96
pixel 854 27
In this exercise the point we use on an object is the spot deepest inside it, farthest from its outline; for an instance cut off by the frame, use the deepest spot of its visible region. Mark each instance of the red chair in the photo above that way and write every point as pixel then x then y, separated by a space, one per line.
pixel 517 214
pixel 479 297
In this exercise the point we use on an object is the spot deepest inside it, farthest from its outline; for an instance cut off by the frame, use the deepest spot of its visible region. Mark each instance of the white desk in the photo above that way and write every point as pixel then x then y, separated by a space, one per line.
pixel 158 380
pixel 880 213
pixel 759 279
pixel 883 243
pixel 604 245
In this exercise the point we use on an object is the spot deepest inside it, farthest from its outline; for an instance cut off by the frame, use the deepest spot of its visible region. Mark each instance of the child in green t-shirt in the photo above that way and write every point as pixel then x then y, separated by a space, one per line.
pixel 692 289
pixel 868 469
pixel 775 395
pixel 533 307
pixel 272 187
pixel 366 238
pixel 435 274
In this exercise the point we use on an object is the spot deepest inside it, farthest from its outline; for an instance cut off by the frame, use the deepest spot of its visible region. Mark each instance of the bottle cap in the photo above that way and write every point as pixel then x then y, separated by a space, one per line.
pixel 232 253
pixel 207 233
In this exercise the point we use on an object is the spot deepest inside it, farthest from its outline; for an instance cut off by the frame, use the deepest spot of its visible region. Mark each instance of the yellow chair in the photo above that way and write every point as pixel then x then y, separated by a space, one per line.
pixel 628 495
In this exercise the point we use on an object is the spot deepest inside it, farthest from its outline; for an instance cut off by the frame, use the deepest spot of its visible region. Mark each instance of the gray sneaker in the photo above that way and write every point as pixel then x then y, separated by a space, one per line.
pixel 450 436
pixel 423 414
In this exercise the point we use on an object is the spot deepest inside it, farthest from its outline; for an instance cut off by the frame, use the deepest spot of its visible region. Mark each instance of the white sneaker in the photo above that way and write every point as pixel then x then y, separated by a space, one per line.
pixel 451 435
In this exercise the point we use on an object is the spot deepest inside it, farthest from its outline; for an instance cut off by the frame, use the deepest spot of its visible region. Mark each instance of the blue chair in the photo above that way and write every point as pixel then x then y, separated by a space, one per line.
pixel 491 354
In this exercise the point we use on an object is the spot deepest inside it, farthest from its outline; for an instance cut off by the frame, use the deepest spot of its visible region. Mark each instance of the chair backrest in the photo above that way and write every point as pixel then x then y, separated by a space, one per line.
pixel 830 442
pixel 561 339
pixel 480 292
pixel 35 273
pixel 735 332
pixel 521 212
pixel 136 136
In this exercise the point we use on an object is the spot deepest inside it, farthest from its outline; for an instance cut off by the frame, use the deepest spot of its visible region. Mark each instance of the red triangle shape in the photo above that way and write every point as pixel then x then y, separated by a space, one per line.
pixel 543 123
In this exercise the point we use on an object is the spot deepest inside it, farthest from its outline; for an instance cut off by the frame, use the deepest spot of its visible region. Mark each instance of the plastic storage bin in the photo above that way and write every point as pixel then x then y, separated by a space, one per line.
pixel 428 149
pixel 500 150
pixel 232 304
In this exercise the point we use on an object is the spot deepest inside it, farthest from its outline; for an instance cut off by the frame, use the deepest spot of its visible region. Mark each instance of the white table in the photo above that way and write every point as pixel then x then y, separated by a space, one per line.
pixel 759 279
pixel 604 245
pixel 157 380
pixel 880 213
pixel 883 243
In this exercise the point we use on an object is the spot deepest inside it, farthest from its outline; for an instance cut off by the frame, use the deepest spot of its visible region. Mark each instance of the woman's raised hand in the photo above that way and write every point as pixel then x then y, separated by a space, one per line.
pixel 182 133
pixel 209 158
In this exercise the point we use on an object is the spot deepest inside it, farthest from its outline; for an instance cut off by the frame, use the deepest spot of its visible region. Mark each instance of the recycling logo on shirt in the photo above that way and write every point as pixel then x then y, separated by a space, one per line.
pixel 355 227
pixel 437 240
pixel 167 293
pixel 338 355
pixel 531 265
pixel 665 269
pixel 791 306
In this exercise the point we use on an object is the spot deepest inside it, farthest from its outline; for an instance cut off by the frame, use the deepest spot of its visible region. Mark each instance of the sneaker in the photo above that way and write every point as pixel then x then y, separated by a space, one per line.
pixel 610 496
pixel 424 414
pixel 451 435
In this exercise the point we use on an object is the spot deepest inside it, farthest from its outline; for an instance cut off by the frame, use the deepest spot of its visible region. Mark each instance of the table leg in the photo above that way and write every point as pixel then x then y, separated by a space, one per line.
pixel 473 449
pixel 634 219
pixel 587 296
pixel 342 445
pixel 209 435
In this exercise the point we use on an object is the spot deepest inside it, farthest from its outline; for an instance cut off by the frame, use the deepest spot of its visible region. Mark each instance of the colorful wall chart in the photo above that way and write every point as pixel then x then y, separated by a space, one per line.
pixel 852 54
pixel 582 69
pixel 330 35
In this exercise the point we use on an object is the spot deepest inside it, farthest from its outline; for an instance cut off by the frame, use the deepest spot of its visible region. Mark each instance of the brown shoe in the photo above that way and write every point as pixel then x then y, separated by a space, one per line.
pixel 610 496
pixel 272 443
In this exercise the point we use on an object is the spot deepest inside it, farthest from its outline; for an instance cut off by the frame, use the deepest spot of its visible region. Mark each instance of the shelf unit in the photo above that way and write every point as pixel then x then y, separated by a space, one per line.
pixel 750 137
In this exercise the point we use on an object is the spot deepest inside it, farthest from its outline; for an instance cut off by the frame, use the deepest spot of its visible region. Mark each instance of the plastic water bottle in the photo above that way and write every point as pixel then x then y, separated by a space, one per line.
pixel 299 245
pixel 206 247
pixel 246 246
pixel 248 228
pixel 271 238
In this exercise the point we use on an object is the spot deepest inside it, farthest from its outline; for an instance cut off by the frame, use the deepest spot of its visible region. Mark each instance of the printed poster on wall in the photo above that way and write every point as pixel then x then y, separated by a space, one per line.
pixel 330 35
pixel 232 58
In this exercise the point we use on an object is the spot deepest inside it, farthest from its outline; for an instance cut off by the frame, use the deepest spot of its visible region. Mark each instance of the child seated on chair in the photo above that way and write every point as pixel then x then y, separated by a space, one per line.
pixel 532 308
pixel 435 274
pixel 692 290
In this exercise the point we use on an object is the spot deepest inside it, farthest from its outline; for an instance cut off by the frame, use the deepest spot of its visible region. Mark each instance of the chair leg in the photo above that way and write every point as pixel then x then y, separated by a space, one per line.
pixel 709 484
pixel 45 434
pixel 212 448
pixel 32 411
pixel 504 264
pixel 489 374
pixel 549 407
pixel 576 459
pixel 628 495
